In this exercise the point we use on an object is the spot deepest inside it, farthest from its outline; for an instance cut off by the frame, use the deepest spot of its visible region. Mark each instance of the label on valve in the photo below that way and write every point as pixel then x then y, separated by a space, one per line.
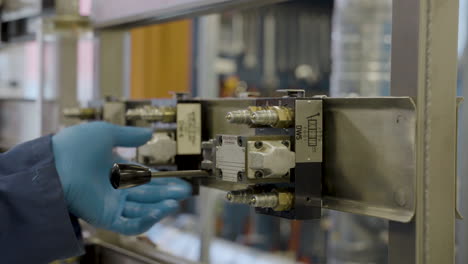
pixel 188 129
pixel 309 131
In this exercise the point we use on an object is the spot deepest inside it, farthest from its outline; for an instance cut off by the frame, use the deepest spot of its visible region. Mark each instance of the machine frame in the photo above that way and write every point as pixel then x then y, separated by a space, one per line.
pixel 424 66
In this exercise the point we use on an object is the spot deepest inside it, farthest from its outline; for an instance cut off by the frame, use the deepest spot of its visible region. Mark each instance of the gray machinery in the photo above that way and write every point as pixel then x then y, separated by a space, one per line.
pixel 389 157
pixel 286 156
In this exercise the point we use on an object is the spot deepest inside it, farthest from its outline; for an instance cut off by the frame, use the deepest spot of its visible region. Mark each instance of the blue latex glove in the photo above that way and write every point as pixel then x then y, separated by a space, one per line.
pixel 83 159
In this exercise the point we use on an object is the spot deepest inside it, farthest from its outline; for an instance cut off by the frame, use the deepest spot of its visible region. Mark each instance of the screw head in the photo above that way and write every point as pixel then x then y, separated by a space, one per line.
pixel 240 175
pixel 253 116
pixel 253 201
pixel 258 174
pixel 229 196
pixel 258 144
pixel 229 117
pixel 400 198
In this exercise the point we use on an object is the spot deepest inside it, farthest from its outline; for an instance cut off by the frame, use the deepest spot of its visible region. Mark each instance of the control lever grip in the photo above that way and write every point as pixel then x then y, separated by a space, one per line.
pixel 130 175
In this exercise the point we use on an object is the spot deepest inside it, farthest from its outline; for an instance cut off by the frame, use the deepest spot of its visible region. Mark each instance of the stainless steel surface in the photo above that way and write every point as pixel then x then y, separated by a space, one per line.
pixel 369 157
pixel 424 65
pixel 462 226
pixel 121 13
pixel 103 252
pixel 180 174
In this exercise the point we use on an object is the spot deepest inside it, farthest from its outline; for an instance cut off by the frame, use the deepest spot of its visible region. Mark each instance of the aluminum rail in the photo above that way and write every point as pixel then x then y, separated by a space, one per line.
pixel 126 14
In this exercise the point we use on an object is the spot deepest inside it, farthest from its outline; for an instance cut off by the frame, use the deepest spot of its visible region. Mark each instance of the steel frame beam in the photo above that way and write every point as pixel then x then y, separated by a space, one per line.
pixel 424 65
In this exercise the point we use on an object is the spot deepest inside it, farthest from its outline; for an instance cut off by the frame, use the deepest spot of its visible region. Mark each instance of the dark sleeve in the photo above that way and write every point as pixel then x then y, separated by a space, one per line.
pixel 35 225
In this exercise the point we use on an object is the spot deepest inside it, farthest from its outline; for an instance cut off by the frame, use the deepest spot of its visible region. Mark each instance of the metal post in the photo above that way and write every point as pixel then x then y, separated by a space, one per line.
pixel 113 63
pixel 208 38
pixel 41 77
pixel 424 65
pixel 67 74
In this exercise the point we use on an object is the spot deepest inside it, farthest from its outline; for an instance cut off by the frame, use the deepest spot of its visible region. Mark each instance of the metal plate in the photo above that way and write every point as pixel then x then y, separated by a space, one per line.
pixel 369 158
pixel 230 158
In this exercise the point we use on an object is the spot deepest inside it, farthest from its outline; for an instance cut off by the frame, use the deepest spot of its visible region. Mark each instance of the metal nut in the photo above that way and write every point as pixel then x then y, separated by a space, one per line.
pixel 240 176
pixel 258 144
pixel 258 174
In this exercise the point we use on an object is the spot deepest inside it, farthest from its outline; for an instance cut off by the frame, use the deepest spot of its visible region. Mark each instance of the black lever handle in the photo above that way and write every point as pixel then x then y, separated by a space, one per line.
pixel 129 175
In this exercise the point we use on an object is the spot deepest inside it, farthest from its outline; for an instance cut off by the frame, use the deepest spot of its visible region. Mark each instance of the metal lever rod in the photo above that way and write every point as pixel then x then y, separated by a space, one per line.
pixel 129 175
pixel 180 174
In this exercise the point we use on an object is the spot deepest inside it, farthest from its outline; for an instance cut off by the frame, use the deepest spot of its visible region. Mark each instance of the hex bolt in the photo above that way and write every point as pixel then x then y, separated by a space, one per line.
pixel 258 144
pixel 229 196
pixel 400 197
pixel 239 141
pixel 259 174
pixel 240 175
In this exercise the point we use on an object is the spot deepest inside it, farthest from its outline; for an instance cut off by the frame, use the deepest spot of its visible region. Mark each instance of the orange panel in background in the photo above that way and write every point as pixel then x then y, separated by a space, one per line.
pixel 161 59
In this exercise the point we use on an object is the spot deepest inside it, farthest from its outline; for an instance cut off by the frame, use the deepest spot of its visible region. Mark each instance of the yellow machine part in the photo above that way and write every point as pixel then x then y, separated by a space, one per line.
pixel 161 59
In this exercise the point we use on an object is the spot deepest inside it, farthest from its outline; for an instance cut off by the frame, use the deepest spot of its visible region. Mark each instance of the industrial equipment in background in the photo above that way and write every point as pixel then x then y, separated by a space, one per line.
pixel 289 157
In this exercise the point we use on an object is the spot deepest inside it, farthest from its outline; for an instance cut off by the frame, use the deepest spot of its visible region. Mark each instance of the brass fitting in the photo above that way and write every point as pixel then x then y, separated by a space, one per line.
pixel 153 114
pixel 81 113
pixel 274 116
pixel 242 116
pixel 278 201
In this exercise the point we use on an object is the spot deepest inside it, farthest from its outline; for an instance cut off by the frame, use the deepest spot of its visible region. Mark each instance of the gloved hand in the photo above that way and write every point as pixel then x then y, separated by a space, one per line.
pixel 83 159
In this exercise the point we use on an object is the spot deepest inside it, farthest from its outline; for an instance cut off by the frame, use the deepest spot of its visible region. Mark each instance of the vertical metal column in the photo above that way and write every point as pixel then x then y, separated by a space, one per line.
pixel 41 77
pixel 67 74
pixel 424 65
pixel 207 53
pixel 113 68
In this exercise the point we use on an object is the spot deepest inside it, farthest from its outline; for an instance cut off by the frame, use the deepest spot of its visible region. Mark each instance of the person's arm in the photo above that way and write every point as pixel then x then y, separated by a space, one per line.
pixel 35 224
pixel 44 180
